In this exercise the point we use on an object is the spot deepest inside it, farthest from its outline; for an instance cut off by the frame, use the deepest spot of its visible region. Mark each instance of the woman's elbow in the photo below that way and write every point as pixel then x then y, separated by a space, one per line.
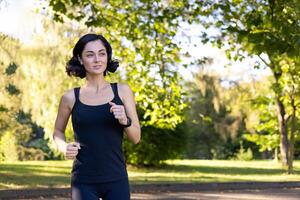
pixel 137 140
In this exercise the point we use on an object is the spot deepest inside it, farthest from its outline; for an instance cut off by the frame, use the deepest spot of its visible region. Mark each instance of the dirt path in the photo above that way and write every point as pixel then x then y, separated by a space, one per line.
pixel 200 191
pixel 265 194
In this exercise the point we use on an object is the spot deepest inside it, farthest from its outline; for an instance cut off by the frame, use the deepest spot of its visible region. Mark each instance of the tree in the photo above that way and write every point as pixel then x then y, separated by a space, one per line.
pixel 266 29
pixel 16 127
pixel 263 129
pixel 213 131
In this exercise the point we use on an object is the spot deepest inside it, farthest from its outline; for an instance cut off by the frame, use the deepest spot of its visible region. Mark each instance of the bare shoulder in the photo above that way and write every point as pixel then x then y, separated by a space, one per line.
pixel 68 98
pixel 124 91
pixel 124 87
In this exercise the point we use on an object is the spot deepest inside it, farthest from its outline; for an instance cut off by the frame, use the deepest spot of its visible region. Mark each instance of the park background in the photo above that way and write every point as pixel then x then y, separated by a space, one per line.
pixel 216 85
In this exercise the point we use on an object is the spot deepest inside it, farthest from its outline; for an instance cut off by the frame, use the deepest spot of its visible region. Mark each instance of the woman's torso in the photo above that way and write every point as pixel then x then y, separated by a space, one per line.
pixel 100 135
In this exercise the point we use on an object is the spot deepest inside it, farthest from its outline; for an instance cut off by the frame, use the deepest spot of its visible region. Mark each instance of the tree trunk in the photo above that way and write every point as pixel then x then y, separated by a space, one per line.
pixel 291 145
pixel 284 148
pixel 282 122
pixel 276 155
pixel 292 136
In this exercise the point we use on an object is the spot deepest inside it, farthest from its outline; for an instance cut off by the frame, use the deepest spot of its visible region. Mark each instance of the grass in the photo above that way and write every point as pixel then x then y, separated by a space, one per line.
pixel 41 174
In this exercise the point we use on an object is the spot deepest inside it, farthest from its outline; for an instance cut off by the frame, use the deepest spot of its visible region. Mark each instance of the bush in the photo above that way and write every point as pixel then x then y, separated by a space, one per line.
pixel 244 155
pixel 155 146
pixel 8 147
pixel 43 145
pixel 26 153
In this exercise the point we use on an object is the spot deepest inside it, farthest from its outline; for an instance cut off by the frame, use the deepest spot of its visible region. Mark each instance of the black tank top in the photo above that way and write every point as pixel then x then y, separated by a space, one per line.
pixel 100 135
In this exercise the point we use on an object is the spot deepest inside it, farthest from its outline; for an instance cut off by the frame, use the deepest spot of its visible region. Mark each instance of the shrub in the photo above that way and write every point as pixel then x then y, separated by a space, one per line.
pixel 155 146
pixel 8 147
pixel 244 155
pixel 28 153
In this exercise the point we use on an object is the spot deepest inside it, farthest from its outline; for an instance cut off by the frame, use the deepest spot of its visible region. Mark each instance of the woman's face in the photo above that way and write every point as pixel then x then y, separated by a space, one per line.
pixel 94 57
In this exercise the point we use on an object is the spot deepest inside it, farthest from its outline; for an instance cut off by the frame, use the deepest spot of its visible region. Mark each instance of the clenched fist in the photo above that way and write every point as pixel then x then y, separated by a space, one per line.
pixel 72 150
pixel 119 112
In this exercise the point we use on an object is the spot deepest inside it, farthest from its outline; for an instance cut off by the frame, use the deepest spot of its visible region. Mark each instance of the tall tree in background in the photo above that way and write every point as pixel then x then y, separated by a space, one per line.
pixel 270 30
pixel 11 131
pixel 18 132
pixel 261 121
pixel 213 132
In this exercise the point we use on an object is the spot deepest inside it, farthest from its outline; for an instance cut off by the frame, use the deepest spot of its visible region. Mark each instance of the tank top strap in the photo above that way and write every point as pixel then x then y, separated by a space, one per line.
pixel 115 89
pixel 76 92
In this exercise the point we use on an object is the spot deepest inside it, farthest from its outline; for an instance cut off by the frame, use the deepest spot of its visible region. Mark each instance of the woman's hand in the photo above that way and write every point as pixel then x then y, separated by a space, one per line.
pixel 119 112
pixel 71 150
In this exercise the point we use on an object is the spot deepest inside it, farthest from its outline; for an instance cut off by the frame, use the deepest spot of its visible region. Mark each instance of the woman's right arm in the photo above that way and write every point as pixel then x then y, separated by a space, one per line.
pixel 64 111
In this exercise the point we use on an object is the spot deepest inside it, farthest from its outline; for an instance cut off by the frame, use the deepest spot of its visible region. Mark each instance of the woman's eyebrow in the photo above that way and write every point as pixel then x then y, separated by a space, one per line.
pixel 93 51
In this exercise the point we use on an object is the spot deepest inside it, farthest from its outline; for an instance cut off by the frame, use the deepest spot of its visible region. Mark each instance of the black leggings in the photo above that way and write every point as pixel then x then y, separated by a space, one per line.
pixel 116 190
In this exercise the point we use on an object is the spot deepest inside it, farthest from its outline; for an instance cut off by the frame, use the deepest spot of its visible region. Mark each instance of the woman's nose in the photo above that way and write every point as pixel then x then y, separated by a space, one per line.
pixel 97 58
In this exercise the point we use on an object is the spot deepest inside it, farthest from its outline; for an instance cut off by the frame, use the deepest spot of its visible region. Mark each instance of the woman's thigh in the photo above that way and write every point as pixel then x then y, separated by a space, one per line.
pixel 84 192
pixel 117 190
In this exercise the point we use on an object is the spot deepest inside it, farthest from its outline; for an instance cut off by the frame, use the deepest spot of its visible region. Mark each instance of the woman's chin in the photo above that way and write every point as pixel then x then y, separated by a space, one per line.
pixel 95 72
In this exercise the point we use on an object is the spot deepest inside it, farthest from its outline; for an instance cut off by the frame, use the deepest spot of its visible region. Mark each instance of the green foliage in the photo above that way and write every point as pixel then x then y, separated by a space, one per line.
pixel 156 145
pixel 266 142
pixel 266 134
pixel 27 153
pixel 270 31
pixel 159 106
pixel 244 155
pixel 212 131
pixel 11 69
pixel 8 147
pixel 12 89
pixel 13 119
pixel 41 147
pixel 258 26
pixel 256 103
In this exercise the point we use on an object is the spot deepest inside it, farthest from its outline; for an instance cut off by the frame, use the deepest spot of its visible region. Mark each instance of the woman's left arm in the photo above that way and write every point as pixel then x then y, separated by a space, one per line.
pixel 134 131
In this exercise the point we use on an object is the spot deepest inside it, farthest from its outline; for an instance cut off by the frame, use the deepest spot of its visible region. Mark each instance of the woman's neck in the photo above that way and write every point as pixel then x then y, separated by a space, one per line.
pixel 95 83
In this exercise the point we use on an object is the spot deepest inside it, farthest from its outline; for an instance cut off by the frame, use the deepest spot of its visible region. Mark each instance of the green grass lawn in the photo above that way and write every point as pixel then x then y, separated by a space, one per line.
pixel 41 174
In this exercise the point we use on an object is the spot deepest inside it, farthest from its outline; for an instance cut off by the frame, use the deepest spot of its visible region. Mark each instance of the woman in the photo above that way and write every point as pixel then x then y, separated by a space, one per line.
pixel 101 112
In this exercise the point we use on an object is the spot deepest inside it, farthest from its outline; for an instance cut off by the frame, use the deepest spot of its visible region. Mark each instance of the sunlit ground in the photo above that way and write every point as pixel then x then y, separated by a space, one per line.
pixel 41 174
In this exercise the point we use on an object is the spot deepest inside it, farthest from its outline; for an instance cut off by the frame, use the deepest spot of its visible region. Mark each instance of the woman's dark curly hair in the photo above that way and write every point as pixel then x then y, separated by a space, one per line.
pixel 75 68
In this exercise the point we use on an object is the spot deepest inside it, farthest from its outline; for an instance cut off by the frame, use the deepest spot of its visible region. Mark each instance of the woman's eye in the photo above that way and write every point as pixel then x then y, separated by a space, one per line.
pixel 89 55
pixel 102 54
